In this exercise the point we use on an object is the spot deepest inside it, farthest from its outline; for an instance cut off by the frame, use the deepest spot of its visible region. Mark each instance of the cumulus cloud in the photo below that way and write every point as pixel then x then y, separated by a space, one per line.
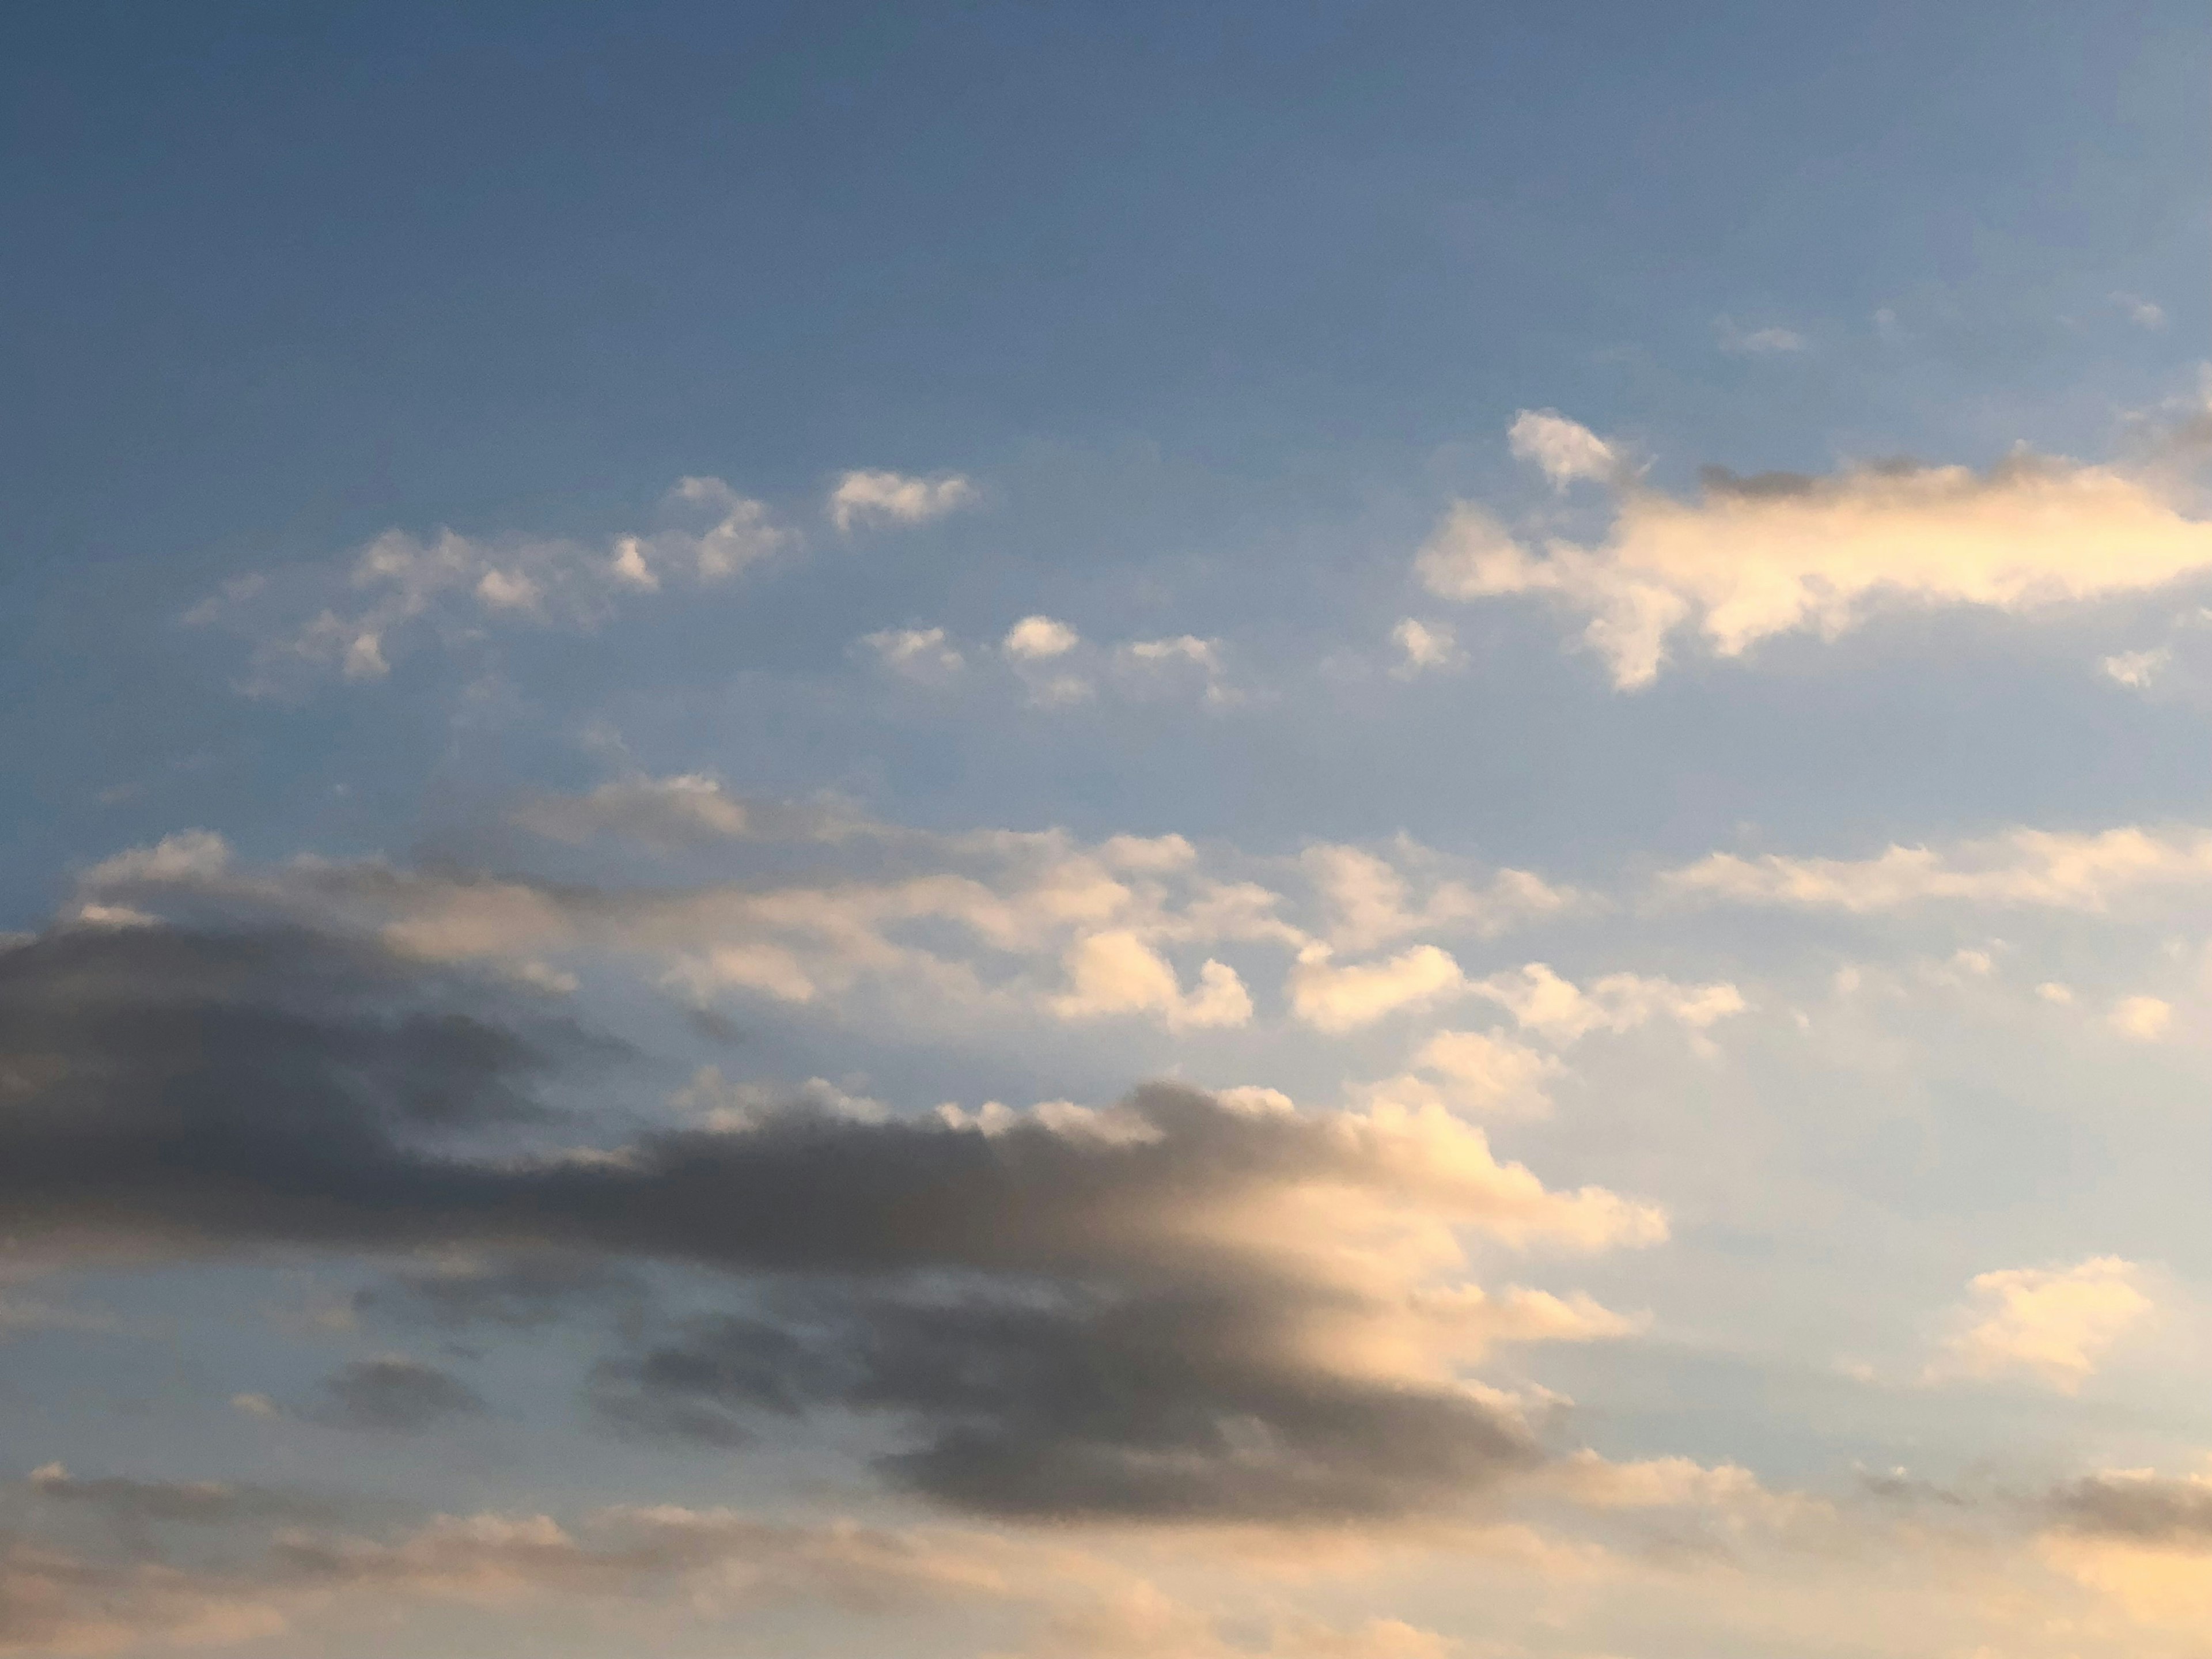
pixel 2144 1018
pixel 1770 340
pixel 1753 558
pixel 2053 869
pixel 1117 973
pixel 401 586
pixel 863 498
pixel 1539 1000
pixel 1212 1309
pixel 2136 669
pixel 1564 450
pixel 1475 1072
pixel 916 654
pixel 1336 998
pixel 2057 1324
pixel 1423 646
pixel 2143 313
pixel 1369 900
pixel 1034 638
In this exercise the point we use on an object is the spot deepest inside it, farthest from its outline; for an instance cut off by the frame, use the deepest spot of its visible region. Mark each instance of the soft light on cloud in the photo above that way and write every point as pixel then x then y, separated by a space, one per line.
pixel 2144 1018
pixel 1758 558
pixel 916 654
pixel 864 498
pixel 2055 1324
pixel 1564 450
pixel 1423 646
pixel 1036 639
pixel 1770 340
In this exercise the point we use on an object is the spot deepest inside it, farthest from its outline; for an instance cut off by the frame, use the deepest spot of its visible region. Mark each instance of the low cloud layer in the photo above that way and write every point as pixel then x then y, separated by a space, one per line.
pixel 1177 1306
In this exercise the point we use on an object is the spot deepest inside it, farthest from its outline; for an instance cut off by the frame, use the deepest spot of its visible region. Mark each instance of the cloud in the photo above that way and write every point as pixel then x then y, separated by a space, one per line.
pixel 1473 1072
pixel 2136 669
pixel 1539 1000
pixel 1204 1308
pixel 1755 558
pixel 2040 868
pixel 132 1503
pixel 1370 900
pixel 866 498
pixel 396 1395
pixel 2144 1018
pixel 1564 450
pixel 1333 998
pixel 1034 638
pixel 1423 646
pixel 1770 342
pixel 1117 973
pixel 400 586
pixel 2143 313
pixel 916 654
pixel 2054 1323
pixel 664 813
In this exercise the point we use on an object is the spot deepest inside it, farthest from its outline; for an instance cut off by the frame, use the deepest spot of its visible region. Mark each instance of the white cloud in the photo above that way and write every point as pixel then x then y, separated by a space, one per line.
pixel 1336 1000
pixel 2056 1323
pixel 1369 901
pixel 2137 668
pixel 894 498
pixel 1472 1072
pixel 1152 657
pixel 1770 342
pixel 916 654
pixel 1539 1000
pixel 401 585
pixel 2033 867
pixel 1424 646
pixel 1035 639
pixel 2143 313
pixel 2144 1018
pixel 1565 450
pixel 1118 973
pixel 1758 558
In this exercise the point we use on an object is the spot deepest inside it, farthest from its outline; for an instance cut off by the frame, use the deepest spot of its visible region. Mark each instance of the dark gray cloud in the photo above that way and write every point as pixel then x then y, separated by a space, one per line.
pixel 1075 1404
pixel 516 1292
pixel 1067 1320
pixel 396 1395
pixel 2139 1507
pixel 131 1502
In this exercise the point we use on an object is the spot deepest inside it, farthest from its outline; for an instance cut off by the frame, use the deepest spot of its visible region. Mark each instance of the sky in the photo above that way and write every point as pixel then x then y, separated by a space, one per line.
pixel 1054 831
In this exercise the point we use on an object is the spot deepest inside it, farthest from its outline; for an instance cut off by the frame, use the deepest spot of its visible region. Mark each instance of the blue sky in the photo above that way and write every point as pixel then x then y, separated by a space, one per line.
pixel 1042 831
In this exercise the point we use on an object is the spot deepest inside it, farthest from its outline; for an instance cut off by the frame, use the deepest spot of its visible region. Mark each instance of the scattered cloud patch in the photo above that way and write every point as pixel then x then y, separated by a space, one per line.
pixel 1772 341
pixel 861 499
pixel 2055 1324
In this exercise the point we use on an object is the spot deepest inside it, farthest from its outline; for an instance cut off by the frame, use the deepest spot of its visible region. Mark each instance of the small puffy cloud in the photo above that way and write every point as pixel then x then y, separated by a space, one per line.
pixel 2056 1323
pixel 896 498
pixel 2040 868
pixel 1474 1071
pixel 2137 668
pixel 2143 313
pixel 1769 341
pixel 2144 1018
pixel 1369 900
pixel 401 586
pixel 1035 639
pixel 1540 1000
pixel 916 654
pixel 1758 558
pixel 1423 646
pixel 1117 973
pixel 1564 450
pixel 1335 999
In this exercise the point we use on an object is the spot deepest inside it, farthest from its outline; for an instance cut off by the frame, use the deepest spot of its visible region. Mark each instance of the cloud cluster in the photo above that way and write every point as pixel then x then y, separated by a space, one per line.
pixel 1128 927
pixel 451 586
pixel 1755 557
pixel 2055 1324
pixel 2050 869
pixel 1194 1307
